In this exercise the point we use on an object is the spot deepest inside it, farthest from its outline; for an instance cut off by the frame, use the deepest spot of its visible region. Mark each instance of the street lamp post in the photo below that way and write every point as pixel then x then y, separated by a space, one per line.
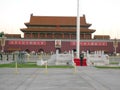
pixel 115 45
pixel 2 40
pixel 3 43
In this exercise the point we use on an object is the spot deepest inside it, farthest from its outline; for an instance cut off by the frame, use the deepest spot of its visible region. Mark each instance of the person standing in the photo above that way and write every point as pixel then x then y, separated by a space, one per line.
pixel 81 59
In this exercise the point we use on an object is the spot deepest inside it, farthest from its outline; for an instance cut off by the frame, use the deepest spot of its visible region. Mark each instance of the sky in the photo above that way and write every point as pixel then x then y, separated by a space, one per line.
pixel 104 15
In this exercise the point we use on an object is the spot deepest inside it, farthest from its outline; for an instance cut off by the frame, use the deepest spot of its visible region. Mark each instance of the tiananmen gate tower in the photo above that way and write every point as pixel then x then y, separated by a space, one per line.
pixel 48 33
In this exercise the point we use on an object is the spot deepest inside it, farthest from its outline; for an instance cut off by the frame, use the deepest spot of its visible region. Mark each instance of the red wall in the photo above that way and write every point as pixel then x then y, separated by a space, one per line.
pixel 66 45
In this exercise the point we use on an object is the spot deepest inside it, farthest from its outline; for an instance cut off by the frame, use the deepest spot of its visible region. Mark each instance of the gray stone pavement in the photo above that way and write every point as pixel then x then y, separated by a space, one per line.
pixel 86 78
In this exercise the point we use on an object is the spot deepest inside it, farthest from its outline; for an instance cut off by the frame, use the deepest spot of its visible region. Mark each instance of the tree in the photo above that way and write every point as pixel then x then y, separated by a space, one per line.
pixel 1 34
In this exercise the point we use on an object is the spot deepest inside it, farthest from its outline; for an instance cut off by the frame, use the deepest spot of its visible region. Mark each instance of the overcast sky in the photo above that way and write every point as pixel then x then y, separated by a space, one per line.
pixel 104 15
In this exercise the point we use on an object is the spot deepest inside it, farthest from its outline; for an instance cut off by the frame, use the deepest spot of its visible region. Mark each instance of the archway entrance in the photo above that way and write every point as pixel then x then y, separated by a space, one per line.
pixel 40 50
pixel 27 50
pixel 59 50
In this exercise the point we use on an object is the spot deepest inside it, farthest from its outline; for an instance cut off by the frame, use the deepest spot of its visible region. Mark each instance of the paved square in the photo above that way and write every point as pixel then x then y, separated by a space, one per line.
pixel 86 78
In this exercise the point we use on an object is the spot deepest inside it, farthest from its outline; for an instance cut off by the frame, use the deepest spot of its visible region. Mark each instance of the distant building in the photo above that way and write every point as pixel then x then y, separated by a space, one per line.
pixel 101 37
pixel 13 35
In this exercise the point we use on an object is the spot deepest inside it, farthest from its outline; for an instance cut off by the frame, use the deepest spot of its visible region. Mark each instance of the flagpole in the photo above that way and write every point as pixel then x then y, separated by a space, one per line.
pixel 78 31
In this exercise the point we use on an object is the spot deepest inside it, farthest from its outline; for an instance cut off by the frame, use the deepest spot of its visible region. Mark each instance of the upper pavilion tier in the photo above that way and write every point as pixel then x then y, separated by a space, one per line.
pixel 55 24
